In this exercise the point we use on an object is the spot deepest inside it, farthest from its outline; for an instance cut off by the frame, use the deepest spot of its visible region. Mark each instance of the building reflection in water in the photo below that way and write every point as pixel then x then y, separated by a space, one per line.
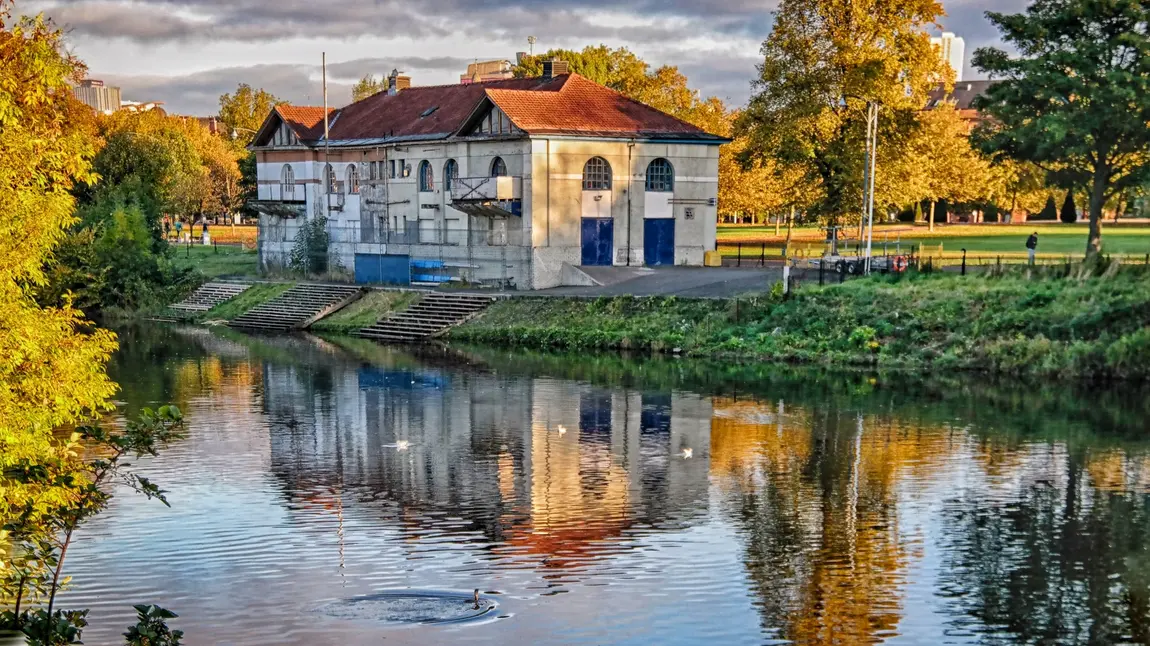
pixel 814 519
pixel 552 470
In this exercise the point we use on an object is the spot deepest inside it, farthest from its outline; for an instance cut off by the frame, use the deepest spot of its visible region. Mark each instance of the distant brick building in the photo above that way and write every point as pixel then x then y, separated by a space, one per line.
pixel 510 182
pixel 481 71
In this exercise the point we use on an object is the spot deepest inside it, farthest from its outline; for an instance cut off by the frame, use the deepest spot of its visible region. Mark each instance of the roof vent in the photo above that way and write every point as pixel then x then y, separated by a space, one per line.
pixel 427 112
pixel 554 67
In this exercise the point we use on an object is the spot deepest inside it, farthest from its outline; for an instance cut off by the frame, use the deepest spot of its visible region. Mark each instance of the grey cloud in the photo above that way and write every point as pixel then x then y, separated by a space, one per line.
pixel 198 94
pixel 358 68
pixel 255 20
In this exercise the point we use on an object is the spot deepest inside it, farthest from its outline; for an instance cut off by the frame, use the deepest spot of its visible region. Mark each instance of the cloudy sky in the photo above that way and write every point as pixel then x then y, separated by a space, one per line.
pixel 188 52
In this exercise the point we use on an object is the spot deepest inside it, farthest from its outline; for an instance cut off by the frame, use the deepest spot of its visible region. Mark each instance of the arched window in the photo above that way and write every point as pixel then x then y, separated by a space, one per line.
pixel 352 178
pixel 426 179
pixel 287 183
pixel 597 175
pixel 660 176
pixel 498 168
pixel 329 178
pixel 450 172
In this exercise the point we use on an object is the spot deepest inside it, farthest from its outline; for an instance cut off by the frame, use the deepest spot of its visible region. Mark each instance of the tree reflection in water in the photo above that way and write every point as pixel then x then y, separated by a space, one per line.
pixel 1020 512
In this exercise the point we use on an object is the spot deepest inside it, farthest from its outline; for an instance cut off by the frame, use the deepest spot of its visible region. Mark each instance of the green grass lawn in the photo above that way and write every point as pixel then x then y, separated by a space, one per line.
pixel 215 262
pixel 1070 242
pixel 373 306
pixel 251 297
pixel 976 239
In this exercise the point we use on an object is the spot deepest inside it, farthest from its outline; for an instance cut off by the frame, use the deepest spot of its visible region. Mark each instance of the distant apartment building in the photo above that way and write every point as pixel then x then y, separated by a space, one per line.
pixel 481 71
pixel 952 50
pixel 102 98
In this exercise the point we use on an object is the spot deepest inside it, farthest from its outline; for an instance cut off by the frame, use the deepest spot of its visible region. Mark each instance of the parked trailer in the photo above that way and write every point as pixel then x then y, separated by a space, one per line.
pixel 856 265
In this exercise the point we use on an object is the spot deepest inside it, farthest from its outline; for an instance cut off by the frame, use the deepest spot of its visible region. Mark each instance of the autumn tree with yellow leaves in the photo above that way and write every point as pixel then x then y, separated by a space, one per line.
pixel 52 363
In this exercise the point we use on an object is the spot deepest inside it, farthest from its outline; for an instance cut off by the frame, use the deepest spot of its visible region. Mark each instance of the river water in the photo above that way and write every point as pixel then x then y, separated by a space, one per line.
pixel 599 500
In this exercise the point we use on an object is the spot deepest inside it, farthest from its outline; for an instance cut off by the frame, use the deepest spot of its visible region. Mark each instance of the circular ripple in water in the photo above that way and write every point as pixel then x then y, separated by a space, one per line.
pixel 412 607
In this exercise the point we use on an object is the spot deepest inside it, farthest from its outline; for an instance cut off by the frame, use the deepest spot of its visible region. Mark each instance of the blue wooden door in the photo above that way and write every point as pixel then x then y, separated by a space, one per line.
pixel 659 241
pixel 388 269
pixel 598 241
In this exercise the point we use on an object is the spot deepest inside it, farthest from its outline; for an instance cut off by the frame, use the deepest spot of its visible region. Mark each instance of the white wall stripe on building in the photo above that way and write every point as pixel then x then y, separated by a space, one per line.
pixel 636 178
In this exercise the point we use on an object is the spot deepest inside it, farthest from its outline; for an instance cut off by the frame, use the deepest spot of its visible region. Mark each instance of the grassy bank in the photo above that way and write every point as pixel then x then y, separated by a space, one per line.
pixel 256 295
pixel 1095 327
pixel 373 306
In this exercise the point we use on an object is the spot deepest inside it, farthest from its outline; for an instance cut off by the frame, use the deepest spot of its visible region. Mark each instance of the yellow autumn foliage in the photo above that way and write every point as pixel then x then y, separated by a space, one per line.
pixel 51 370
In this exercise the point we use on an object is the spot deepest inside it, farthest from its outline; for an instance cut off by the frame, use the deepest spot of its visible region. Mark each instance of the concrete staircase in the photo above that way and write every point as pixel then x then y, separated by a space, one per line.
pixel 297 308
pixel 431 316
pixel 208 296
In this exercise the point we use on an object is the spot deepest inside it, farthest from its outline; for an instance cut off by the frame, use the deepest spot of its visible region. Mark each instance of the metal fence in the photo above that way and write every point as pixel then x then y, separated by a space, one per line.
pixel 436 255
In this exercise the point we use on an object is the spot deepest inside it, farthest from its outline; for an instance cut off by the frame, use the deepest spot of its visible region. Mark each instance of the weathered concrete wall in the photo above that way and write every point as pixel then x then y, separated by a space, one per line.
pixel 554 202
pixel 557 185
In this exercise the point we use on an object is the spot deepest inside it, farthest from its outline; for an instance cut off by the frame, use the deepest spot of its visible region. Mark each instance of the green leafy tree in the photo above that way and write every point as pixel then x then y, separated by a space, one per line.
pixel 945 166
pixel 1069 214
pixel 245 110
pixel 242 112
pixel 824 60
pixel 1075 99
pixel 367 86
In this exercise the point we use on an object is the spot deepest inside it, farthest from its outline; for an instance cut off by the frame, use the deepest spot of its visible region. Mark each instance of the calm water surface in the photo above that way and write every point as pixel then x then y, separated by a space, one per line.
pixel 811 510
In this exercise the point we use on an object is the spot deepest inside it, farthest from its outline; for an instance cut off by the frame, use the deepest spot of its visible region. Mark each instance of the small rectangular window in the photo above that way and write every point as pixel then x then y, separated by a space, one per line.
pixel 371 170
pixel 391 171
pixel 403 168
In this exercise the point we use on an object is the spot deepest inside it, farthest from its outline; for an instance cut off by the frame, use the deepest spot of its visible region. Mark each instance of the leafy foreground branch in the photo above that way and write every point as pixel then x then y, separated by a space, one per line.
pixel 82 475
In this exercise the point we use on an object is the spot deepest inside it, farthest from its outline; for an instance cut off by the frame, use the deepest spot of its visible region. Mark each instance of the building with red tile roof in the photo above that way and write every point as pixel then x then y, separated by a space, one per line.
pixel 511 182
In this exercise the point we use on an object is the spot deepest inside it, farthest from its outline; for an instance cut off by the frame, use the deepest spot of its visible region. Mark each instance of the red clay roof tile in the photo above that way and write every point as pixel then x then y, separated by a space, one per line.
pixel 581 106
pixel 569 104
pixel 306 121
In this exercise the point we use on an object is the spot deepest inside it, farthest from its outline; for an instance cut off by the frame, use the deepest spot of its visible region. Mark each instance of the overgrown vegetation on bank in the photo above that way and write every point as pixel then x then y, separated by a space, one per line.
pixel 1089 327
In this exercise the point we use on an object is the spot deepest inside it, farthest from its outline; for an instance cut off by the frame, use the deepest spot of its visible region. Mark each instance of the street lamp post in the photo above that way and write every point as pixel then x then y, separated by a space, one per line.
pixel 869 175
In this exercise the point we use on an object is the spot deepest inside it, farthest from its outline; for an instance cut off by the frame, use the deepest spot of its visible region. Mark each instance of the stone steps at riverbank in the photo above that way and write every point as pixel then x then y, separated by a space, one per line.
pixel 297 308
pixel 434 314
pixel 208 296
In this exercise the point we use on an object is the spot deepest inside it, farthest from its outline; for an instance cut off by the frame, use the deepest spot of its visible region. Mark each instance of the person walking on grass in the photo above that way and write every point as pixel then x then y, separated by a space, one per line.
pixel 1032 246
pixel 179 230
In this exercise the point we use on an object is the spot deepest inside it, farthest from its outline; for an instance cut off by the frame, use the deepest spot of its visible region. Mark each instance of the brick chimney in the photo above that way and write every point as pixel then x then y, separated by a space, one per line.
pixel 397 82
pixel 554 67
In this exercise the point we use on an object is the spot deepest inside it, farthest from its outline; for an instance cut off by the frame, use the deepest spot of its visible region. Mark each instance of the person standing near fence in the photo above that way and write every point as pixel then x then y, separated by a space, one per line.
pixel 179 230
pixel 1032 246
pixel 207 238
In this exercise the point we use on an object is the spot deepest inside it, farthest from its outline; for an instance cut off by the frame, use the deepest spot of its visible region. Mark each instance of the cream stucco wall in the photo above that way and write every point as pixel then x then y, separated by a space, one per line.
pixel 548 234
pixel 557 185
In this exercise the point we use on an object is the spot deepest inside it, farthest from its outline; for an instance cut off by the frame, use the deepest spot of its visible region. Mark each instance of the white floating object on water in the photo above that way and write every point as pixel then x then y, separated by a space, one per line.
pixel 688 453
pixel 562 429
pixel 402 445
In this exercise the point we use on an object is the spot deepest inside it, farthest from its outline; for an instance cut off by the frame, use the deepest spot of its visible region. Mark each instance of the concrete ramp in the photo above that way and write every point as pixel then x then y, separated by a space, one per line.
pixel 572 276
pixel 607 276
pixel 297 308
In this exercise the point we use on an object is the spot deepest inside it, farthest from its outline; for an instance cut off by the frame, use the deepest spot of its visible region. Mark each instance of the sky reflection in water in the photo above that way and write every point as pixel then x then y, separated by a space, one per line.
pixel 812 509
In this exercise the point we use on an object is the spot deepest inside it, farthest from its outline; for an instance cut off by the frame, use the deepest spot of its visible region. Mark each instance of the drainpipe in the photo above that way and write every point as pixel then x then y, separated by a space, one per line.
pixel 630 173
pixel 549 193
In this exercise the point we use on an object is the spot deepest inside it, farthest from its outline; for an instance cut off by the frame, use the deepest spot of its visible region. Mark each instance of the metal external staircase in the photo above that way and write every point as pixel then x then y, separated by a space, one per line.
pixel 208 296
pixel 431 316
pixel 297 308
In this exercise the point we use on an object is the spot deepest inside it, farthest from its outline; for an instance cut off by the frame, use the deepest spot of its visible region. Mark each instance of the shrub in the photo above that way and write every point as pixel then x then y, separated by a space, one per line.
pixel 309 254
pixel 1069 214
